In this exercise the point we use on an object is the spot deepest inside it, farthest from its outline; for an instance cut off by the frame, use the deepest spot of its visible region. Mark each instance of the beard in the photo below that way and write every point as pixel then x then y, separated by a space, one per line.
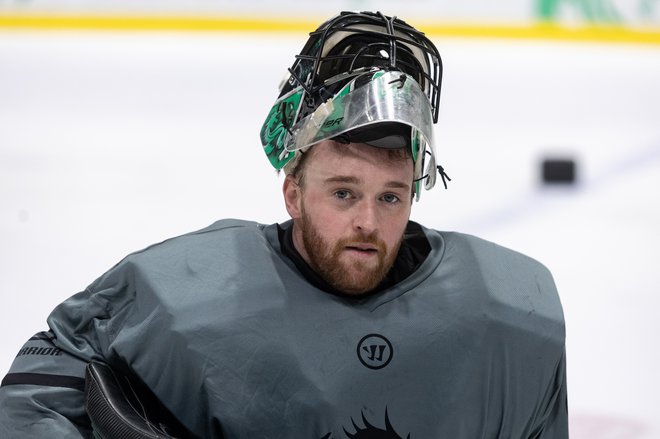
pixel 351 277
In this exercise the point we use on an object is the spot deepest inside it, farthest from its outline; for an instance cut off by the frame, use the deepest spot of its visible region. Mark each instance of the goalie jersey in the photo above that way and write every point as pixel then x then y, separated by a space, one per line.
pixel 229 335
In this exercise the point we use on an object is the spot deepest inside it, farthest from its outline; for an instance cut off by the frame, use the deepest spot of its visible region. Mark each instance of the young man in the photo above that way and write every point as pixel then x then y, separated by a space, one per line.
pixel 350 320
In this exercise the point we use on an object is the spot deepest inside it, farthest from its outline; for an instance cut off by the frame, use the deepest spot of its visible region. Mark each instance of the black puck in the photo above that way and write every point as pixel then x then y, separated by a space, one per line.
pixel 560 171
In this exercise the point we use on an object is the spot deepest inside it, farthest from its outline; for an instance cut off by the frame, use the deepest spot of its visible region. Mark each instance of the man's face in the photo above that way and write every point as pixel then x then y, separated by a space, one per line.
pixel 350 213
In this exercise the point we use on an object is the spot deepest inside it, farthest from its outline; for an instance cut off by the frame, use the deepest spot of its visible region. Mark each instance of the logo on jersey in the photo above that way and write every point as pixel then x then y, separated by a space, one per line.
pixel 370 431
pixel 39 351
pixel 375 351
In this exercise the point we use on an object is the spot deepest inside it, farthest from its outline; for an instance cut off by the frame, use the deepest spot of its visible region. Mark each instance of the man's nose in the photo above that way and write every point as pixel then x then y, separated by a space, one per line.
pixel 366 217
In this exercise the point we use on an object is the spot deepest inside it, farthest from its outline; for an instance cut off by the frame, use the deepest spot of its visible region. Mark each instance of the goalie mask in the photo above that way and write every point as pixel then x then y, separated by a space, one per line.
pixel 361 78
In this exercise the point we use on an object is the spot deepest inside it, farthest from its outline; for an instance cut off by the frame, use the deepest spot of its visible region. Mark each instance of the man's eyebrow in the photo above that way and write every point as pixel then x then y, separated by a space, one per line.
pixel 348 179
pixel 343 179
pixel 398 185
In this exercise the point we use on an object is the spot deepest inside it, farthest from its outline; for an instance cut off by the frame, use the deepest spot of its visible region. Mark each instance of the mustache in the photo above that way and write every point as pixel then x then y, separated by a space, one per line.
pixel 371 240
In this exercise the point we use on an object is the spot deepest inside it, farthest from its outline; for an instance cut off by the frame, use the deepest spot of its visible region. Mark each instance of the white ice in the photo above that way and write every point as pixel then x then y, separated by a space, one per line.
pixel 112 141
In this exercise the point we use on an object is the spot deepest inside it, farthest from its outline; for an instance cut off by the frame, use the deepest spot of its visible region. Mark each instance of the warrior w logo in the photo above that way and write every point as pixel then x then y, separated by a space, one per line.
pixel 374 351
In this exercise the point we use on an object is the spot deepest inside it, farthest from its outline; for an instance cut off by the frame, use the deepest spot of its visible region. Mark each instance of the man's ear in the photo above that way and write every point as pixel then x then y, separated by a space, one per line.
pixel 292 197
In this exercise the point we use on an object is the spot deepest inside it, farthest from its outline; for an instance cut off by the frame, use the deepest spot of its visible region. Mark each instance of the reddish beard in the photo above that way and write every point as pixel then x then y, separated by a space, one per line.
pixel 356 277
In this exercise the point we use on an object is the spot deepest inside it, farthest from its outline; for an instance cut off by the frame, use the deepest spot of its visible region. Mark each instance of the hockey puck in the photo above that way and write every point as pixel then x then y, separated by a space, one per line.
pixel 560 171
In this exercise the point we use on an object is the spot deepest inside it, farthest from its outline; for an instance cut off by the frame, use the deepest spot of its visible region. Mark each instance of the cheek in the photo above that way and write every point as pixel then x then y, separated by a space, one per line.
pixel 327 221
pixel 395 228
pixel 332 225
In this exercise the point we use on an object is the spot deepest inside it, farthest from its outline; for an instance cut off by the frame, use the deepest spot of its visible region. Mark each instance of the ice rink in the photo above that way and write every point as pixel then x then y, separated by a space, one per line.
pixel 112 141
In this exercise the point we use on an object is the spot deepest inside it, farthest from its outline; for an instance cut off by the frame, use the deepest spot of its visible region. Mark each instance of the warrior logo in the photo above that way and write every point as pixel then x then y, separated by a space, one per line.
pixel 375 351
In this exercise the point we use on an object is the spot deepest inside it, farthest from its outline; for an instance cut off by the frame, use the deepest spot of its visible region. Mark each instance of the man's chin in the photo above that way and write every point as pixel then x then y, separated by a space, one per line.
pixel 359 262
pixel 355 290
pixel 358 279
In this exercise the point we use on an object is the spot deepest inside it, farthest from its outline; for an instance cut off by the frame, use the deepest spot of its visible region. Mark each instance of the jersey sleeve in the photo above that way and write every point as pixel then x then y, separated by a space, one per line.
pixel 554 418
pixel 42 395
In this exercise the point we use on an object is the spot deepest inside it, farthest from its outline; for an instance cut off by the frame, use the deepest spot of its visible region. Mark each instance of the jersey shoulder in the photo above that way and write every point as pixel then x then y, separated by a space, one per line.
pixel 510 286
pixel 491 255
pixel 219 246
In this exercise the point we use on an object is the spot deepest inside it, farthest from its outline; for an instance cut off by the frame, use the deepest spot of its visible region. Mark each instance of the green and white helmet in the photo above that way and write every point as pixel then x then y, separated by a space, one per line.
pixel 364 78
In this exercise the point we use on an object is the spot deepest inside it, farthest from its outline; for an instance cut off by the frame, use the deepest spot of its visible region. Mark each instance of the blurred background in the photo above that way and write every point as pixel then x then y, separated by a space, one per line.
pixel 127 123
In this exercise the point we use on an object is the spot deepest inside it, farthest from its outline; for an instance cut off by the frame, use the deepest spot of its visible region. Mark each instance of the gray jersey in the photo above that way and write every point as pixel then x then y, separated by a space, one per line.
pixel 237 344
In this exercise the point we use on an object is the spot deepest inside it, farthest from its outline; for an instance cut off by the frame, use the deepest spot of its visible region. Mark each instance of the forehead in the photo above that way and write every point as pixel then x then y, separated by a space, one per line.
pixel 330 158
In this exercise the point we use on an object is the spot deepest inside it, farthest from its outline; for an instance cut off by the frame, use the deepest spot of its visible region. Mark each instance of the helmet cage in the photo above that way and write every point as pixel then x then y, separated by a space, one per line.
pixel 353 42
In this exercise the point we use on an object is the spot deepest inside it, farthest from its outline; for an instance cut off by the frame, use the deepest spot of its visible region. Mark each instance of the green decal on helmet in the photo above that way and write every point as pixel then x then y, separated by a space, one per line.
pixel 275 129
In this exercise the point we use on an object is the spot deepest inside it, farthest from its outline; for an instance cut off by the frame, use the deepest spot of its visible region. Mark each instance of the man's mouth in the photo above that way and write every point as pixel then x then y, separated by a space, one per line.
pixel 363 248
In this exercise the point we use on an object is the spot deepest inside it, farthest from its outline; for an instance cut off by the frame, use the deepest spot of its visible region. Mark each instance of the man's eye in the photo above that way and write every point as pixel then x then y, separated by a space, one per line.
pixel 342 194
pixel 390 198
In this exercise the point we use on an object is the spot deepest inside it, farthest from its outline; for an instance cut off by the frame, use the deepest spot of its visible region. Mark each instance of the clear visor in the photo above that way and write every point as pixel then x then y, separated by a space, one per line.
pixel 387 97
